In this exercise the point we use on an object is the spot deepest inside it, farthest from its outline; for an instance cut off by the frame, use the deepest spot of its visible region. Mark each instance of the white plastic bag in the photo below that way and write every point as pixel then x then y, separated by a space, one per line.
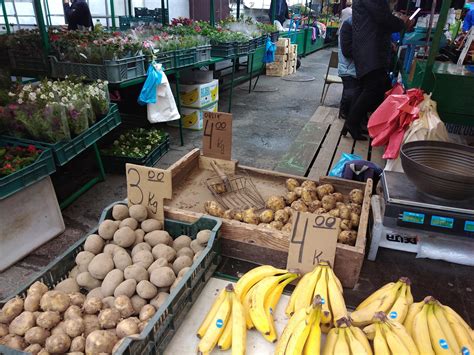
pixel 427 127
pixel 454 250
pixel 165 108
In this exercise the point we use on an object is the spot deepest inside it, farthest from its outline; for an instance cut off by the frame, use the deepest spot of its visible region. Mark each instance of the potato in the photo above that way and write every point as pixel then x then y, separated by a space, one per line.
pixel 3 330
pixel 298 191
pixel 139 236
pixel 124 237
pixel 107 229
pixel 338 196
pixel 266 216
pixel 36 335
pixel 142 326
pixel 136 272
pixel 74 327
pixel 346 224
pixel 307 196
pixel 164 251
pixel 196 256
pixel 183 241
pixel 158 237
pixel 328 202
pixel 347 237
pixel 175 283
pixel 74 272
pixel 287 228
pixel 299 206
pixel 203 236
pixel 55 301
pixel 264 225
pixel 58 344
pixel 91 323
pixel 33 349
pixel 146 290
pixel 59 328
pixel 110 249
pixel 130 223
pixel 108 302
pixel 356 196
pixel 229 214
pixel 48 319
pixel 276 203
pixel 146 312
pixel 213 208
pixel 137 303
pixel 143 258
pixel 150 225
pixel 124 305
pixel 127 327
pixel 120 212
pixel 355 220
pixel 196 247
pixel 320 211
pixel 335 212
pixel 291 184
pixel 357 209
pixel 324 190
pixel 73 312
pixel 276 225
pixel 162 277
pixel 109 318
pixel 309 184
pixel 100 266
pixel 95 292
pixel 139 212
pixel 158 263
pixel 159 299
pixel 100 341
pixel 68 285
pixel 83 259
pixel 238 216
pixel 92 305
pixel 13 341
pixel 314 205
pixel 111 281
pixel 32 302
pixel 121 259
pixel 183 271
pixel 180 263
pixel 249 216
pixel 78 344
pixel 94 244
pixel 37 287
pixel 117 345
pixel 281 216
pixel 184 252
pixel 140 247
pixel 126 288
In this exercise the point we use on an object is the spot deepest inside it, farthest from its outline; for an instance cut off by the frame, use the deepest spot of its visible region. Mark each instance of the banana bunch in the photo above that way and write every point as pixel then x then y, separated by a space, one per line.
pixel 438 329
pixel 346 339
pixel 393 299
pixel 323 282
pixel 224 325
pixel 302 334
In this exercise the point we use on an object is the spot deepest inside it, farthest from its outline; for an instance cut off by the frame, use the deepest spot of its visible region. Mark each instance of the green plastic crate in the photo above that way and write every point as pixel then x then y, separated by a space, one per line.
pixel 167 59
pixel 42 167
pixel 25 60
pixel 160 329
pixel 185 57
pixel 65 151
pixel 223 50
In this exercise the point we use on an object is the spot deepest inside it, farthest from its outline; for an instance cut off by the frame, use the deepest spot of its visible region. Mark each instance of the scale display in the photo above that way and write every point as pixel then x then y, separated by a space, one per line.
pixel 412 217
pixel 443 222
pixel 469 226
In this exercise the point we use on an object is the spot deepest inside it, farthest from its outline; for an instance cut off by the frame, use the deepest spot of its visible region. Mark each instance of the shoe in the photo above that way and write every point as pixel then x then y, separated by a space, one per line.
pixel 344 131
pixel 359 137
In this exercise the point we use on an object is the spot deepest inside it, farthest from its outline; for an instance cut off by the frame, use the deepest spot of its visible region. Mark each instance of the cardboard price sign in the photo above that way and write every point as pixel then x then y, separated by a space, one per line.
pixel 217 138
pixel 313 239
pixel 148 187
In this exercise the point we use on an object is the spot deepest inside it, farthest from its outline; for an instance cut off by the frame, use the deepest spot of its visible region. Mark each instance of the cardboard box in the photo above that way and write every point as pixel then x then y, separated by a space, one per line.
pixel 199 95
pixel 192 118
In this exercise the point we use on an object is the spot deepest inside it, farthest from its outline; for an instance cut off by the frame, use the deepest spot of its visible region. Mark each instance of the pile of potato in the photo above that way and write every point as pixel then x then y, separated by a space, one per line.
pixel 125 273
pixel 307 197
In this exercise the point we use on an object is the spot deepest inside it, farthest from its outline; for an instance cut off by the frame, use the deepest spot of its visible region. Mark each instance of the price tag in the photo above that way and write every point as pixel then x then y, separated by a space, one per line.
pixel 148 187
pixel 217 138
pixel 313 239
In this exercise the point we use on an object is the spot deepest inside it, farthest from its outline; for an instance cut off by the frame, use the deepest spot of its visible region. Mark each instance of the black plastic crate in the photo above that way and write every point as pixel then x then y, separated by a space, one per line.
pixel 242 48
pixel 203 54
pixel 25 60
pixel 143 11
pixel 167 59
pixel 185 57
pixel 223 50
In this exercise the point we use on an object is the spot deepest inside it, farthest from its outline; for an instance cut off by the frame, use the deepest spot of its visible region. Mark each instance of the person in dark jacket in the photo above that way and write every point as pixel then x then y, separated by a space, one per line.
pixel 78 15
pixel 372 25
pixel 281 10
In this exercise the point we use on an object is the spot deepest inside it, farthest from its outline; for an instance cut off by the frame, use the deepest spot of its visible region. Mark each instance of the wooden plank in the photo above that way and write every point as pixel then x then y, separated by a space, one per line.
pixel 376 156
pixel 361 148
pixel 325 155
pixel 345 146
pixel 228 166
pixel 301 154
pixel 183 166
pixel 321 114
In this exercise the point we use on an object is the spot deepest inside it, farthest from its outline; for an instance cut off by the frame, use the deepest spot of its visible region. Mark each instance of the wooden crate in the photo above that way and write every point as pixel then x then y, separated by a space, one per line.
pixel 277 69
pixel 293 48
pixel 281 51
pixel 249 242
pixel 283 42
pixel 281 58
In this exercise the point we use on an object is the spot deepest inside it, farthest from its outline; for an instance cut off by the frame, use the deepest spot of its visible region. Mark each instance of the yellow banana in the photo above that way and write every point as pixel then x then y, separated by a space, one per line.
pixel 459 318
pixel 463 337
pixel 300 334
pixel 369 331
pixel 290 308
pixel 404 336
pixel 409 295
pixel 253 276
pixel 282 343
pixel 413 310
pixel 399 310
pixel 448 332
pixel 394 343
pixel 225 340
pixel 341 347
pixel 216 328
pixel 438 340
pixel 336 300
pixel 360 336
pixel 210 315
pixel 421 333
pixel 355 345
pixel 380 344
pixel 333 275
pixel 305 296
pixel 330 342
pixel 376 295
pixel 246 302
pixel 321 289
pixel 239 329
pixel 313 343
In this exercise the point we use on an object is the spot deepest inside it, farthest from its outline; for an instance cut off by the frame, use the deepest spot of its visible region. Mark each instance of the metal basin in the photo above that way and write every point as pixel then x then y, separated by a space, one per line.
pixel 440 169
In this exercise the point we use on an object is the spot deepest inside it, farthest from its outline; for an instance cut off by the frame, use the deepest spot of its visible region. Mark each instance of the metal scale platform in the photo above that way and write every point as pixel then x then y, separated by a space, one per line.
pixel 403 215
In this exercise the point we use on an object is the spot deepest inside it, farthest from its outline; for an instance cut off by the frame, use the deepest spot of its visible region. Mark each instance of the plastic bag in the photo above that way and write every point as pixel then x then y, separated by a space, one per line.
pixel 154 77
pixel 100 98
pixel 270 49
pixel 454 250
pixel 339 167
pixel 165 108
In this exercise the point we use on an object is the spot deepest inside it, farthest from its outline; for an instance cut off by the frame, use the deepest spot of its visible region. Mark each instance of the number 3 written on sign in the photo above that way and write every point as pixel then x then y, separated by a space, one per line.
pixel 152 177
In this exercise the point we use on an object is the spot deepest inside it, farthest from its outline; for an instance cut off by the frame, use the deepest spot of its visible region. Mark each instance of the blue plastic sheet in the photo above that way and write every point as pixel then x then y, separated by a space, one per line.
pixel 339 167
pixel 270 49
pixel 148 93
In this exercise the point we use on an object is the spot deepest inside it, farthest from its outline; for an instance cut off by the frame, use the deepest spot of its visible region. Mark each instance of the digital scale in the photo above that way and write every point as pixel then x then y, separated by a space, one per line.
pixel 404 215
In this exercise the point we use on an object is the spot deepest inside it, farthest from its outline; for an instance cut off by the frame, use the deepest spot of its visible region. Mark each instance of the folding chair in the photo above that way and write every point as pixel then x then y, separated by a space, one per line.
pixel 330 79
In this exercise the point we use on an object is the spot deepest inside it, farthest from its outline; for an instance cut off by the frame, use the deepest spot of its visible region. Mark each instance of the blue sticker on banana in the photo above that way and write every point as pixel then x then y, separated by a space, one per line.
pixel 393 315
pixel 444 344
pixel 323 301
pixel 465 351
pixel 271 310
pixel 219 323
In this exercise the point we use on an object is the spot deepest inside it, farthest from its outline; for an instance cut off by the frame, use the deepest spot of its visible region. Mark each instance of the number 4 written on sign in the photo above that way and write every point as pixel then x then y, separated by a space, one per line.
pixel 220 126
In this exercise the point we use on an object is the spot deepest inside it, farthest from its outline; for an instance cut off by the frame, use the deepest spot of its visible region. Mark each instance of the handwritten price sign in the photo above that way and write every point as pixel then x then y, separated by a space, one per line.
pixel 148 187
pixel 313 238
pixel 217 138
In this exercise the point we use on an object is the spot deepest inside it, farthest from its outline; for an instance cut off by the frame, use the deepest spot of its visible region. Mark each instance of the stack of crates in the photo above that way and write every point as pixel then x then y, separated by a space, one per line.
pixel 285 59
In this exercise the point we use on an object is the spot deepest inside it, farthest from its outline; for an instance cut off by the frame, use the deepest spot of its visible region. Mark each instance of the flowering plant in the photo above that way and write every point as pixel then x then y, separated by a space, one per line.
pixel 13 159
pixel 135 143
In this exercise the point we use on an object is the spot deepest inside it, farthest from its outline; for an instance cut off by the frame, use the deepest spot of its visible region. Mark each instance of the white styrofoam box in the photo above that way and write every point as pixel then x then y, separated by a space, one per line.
pixel 199 95
pixel 193 118
pixel 28 219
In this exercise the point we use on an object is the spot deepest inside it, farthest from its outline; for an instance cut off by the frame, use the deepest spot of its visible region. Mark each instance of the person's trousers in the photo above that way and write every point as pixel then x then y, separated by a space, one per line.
pixel 351 91
pixel 373 88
